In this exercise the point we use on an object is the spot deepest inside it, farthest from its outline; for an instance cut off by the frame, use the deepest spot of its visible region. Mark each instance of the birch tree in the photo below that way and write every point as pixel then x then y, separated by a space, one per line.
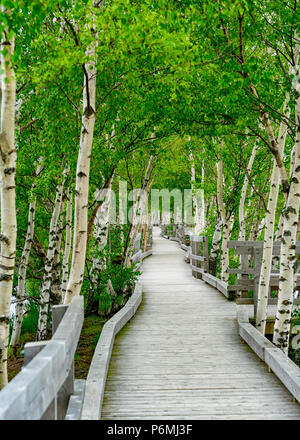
pixel 68 243
pixel 197 210
pixel 264 280
pixel 227 222
pixel 83 172
pixel 289 234
pixel 20 290
pixel 242 222
pixel 49 262
pixel 7 194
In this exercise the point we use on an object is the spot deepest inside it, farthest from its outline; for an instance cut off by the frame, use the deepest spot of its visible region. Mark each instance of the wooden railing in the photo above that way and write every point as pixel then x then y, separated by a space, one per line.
pixel 199 255
pixel 248 273
pixel 45 386
pixel 245 288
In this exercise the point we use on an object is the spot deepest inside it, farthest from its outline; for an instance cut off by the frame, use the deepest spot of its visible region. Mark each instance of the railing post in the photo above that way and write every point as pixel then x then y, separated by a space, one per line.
pixel 67 388
pixel 196 250
pixel 257 268
pixel 31 349
pixel 205 255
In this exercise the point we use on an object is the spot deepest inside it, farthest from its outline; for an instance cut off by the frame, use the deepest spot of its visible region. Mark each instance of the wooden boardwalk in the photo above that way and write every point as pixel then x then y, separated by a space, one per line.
pixel 181 356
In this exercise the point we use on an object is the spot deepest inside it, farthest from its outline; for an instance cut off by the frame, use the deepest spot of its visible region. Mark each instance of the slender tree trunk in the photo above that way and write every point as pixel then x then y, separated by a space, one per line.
pixel 215 247
pixel 197 210
pixel 20 291
pixel 273 145
pixel 264 280
pixel 242 233
pixel 47 279
pixel 7 193
pixel 55 287
pixel 145 233
pixel 99 264
pixel 226 223
pixel 138 211
pixel 289 236
pixel 68 243
pixel 82 176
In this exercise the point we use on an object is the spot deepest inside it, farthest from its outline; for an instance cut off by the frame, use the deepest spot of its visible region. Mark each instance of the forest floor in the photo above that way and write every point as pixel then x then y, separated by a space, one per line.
pixel 91 330
pixel 90 333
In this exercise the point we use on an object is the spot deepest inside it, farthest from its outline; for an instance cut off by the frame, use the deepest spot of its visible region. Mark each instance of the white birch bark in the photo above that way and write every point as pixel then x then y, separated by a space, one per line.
pixel 139 212
pixel 82 176
pixel 7 196
pixel 215 247
pixel 68 243
pixel 20 291
pixel 227 223
pixel 289 235
pixel 264 280
pixel 55 285
pixel 198 214
pixel 227 227
pixel 47 278
pixel 242 232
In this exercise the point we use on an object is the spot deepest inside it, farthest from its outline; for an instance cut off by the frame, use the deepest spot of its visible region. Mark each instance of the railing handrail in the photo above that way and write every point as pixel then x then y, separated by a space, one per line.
pixel 29 394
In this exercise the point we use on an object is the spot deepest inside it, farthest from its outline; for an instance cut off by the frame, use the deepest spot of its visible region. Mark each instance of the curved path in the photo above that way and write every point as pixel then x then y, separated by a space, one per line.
pixel 181 356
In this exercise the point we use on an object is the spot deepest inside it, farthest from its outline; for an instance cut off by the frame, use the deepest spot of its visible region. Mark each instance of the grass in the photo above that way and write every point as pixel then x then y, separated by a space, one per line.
pixel 92 327
pixel 15 358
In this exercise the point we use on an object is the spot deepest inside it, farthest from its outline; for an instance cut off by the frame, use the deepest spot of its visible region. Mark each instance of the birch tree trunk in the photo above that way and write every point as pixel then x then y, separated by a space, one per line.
pixel 196 208
pixel 242 233
pixel 68 243
pixel 227 227
pixel 101 235
pixel 138 212
pixel 82 175
pixel 55 285
pixel 20 291
pixel 7 192
pixel 264 280
pixel 49 261
pixel 215 247
pixel 289 235
pixel 226 223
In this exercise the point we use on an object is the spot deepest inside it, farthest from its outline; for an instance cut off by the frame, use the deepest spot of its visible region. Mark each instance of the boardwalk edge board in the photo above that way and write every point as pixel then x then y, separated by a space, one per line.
pixel 96 379
pixel 283 367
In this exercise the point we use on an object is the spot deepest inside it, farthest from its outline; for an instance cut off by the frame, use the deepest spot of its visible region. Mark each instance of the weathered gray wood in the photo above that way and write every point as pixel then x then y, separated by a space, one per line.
pixel 58 313
pixel 67 388
pixel 76 401
pixel 29 394
pixel 31 349
pixel 284 368
pixel 181 357
pixel 96 379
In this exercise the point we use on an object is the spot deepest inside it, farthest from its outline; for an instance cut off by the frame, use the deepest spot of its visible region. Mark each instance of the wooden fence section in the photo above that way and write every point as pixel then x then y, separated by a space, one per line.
pixel 245 288
pixel 199 255
pixel 43 388
pixel 248 273
pixel 200 370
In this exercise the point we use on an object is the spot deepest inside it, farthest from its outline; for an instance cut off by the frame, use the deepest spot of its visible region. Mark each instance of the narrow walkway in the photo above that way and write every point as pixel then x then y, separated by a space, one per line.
pixel 181 356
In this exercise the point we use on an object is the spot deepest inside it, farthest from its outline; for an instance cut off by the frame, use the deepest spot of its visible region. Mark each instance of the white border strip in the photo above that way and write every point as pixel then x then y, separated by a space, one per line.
pixel 283 367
